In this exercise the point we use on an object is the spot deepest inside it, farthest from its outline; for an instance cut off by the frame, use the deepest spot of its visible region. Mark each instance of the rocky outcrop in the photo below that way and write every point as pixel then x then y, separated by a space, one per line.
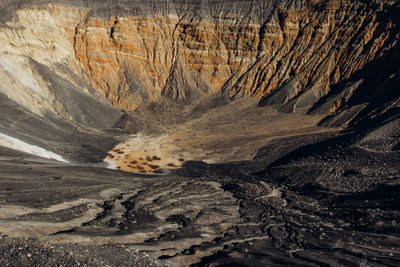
pixel 38 70
pixel 290 53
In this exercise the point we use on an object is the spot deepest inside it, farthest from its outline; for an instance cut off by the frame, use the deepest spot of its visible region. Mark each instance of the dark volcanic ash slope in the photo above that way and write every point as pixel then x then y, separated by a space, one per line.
pixel 78 77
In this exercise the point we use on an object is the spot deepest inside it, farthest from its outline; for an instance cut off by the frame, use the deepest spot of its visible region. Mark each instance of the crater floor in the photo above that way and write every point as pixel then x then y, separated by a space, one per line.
pixel 273 192
pixel 228 133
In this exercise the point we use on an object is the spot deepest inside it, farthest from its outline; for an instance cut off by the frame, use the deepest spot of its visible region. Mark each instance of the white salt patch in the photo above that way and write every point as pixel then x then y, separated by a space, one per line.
pixel 109 164
pixel 13 143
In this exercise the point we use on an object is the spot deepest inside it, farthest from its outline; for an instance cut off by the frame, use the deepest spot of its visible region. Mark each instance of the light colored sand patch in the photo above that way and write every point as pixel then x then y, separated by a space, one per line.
pixel 146 154
pixel 213 138
pixel 16 144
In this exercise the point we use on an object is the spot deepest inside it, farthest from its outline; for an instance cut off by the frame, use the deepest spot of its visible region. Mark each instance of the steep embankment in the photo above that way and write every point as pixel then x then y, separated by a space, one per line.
pixel 286 52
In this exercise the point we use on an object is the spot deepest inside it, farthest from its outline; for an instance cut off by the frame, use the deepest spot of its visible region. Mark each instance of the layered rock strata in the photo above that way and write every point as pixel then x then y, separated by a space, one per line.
pixel 285 52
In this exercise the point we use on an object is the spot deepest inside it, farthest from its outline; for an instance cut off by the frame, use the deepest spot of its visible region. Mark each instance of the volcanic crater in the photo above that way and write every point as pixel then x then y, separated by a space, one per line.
pixel 199 133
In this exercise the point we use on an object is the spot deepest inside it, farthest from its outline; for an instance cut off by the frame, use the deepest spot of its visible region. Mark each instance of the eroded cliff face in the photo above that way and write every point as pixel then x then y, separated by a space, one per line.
pixel 283 52
pixel 294 55
pixel 39 71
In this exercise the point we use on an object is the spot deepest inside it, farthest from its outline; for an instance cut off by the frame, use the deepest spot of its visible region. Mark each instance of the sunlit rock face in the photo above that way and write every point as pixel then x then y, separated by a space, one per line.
pixel 39 70
pixel 284 52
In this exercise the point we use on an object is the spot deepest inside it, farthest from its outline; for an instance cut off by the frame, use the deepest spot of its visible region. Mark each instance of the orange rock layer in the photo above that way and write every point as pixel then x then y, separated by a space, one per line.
pixel 135 60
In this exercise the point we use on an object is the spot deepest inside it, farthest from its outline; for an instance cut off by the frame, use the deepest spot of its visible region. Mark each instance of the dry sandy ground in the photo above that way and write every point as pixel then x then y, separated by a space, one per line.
pixel 229 133
pixel 325 199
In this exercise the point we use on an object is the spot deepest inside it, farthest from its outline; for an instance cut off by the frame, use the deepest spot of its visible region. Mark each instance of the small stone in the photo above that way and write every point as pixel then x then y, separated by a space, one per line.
pixel 29 255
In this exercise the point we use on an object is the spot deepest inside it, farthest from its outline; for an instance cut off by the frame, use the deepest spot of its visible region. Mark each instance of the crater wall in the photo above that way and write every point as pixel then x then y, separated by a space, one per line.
pixel 284 52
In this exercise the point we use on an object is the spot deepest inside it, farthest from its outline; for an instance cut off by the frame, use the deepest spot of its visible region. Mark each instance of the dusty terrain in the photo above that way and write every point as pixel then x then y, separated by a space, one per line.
pixel 211 137
pixel 310 195
pixel 199 133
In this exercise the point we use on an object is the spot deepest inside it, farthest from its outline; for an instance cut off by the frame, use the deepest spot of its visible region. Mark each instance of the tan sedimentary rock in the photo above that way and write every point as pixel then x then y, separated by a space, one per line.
pixel 39 70
pixel 134 59
pixel 292 56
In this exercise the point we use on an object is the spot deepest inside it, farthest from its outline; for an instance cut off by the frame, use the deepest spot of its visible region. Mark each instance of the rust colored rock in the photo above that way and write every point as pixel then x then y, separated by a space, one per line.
pixel 289 53
pixel 297 53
